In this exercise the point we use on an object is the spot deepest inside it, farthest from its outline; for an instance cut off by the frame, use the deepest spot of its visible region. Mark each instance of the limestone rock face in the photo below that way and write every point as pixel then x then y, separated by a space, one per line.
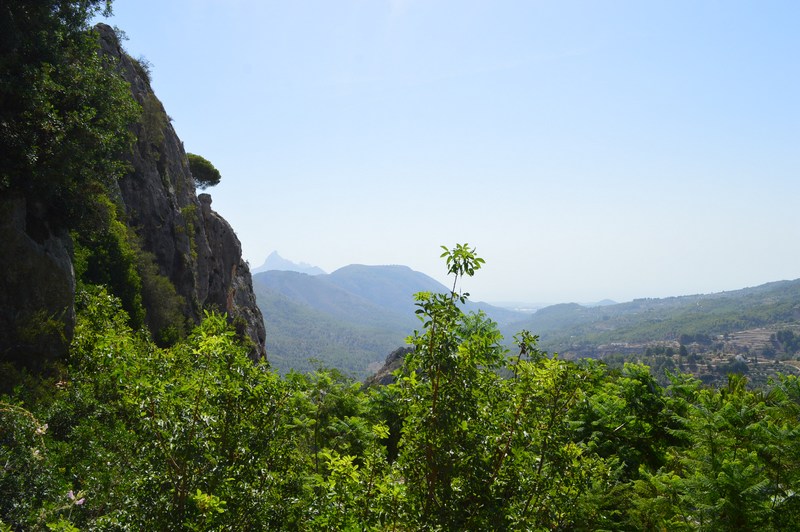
pixel 37 287
pixel 230 284
pixel 194 247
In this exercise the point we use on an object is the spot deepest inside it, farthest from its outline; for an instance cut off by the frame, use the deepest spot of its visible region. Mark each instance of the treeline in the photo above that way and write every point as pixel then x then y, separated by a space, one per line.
pixel 197 436
pixel 571 326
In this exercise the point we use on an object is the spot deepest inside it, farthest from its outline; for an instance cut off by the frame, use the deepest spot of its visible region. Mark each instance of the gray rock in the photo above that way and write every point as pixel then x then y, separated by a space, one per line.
pixel 37 287
pixel 393 362
pixel 194 247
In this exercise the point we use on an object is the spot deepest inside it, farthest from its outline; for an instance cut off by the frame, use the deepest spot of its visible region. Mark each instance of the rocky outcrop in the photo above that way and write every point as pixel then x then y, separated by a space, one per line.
pixel 193 246
pixel 394 361
pixel 230 284
pixel 37 286
pixel 183 239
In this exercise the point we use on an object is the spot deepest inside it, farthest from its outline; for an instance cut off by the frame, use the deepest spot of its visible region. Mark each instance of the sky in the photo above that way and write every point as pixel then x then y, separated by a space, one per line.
pixel 588 150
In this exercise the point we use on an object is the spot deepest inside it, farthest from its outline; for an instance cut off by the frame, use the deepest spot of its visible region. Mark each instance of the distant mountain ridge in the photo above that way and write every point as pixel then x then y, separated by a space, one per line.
pixel 275 262
pixel 349 319
pixel 575 329
pixel 352 318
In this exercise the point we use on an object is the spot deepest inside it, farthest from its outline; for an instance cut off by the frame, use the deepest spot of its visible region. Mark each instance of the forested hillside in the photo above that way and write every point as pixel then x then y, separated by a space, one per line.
pixel 303 338
pixel 564 327
pixel 349 320
pixel 707 335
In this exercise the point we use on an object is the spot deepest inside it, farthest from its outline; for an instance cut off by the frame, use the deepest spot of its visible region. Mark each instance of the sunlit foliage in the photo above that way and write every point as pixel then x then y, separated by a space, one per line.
pixel 197 436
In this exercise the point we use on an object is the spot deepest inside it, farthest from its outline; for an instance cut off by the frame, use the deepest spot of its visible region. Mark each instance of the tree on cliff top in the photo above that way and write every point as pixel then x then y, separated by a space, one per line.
pixel 204 173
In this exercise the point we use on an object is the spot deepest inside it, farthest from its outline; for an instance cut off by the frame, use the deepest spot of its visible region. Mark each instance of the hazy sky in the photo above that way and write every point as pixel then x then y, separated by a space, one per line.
pixel 589 150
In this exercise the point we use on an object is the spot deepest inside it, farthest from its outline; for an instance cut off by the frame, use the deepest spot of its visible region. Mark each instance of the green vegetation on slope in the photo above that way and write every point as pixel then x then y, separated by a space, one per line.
pixel 562 327
pixel 338 319
pixel 388 287
pixel 301 338
pixel 129 436
pixel 350 319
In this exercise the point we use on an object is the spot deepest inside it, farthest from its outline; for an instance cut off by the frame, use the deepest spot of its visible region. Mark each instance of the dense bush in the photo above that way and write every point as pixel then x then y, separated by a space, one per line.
pixel 130 436
pixel 111 254
pixel 65 116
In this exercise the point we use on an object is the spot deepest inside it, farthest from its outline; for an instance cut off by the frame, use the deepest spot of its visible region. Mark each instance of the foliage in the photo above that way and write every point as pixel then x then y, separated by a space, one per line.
pixel 64 116
pixel 204 173
pixel 166 309
pixel 481 451
pixel 196 436
pixel 105 255
pixel 787 341
pixel 141 429
pixel 739 465
pixel 153 121
pixel 111 255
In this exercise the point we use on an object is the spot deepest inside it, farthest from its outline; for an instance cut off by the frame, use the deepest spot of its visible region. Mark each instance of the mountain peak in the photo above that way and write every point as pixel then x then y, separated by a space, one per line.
pixel 275 262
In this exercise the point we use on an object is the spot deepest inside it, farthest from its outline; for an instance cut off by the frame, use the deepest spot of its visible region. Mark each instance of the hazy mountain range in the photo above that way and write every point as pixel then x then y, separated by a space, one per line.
pixel 349 319
pixel 276 262
pixel 581 331
pixel 352 318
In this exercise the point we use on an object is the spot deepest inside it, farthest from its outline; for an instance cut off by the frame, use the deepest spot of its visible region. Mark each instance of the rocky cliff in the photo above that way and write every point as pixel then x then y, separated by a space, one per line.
pixel 190 259
pixel 194 247
pixel 37 286
pixel 394 361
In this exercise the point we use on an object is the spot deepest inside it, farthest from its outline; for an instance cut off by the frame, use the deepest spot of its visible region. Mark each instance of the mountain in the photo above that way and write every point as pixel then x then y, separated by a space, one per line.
pixel 388 287
pixel 353 317
pixel 301 337
pixel 752 331
pixel 276 262
pixel 393 287
pixel 349 319
pixel 322 295
pixel 602 303
pixel 583 331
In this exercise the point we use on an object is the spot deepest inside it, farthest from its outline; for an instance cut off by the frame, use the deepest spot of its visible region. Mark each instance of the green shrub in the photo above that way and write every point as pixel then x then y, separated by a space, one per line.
pixel 204 173
pixel 108 255
pixel 166 309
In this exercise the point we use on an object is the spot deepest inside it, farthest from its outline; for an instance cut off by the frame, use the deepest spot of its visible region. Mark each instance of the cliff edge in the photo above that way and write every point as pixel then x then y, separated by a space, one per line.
pixel 194 247
pixel 187 258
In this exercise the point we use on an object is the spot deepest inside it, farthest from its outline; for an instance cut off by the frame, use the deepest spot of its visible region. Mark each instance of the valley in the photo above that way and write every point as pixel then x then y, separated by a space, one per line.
pixel 354 317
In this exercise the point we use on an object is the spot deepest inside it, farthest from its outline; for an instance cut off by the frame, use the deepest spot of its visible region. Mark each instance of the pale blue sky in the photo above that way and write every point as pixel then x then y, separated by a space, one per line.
pixel 590 150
